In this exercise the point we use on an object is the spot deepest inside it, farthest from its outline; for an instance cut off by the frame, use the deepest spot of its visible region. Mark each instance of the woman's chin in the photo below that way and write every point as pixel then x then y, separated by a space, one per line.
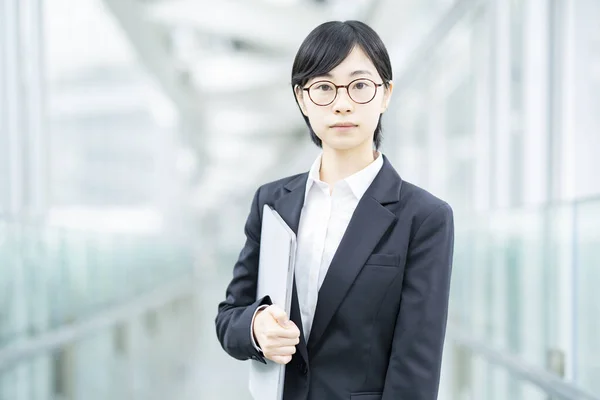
pixel 343 144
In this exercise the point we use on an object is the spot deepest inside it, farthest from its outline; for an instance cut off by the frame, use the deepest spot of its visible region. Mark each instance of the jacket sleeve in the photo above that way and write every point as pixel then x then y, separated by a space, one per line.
pixel 416 356
pixel 235 313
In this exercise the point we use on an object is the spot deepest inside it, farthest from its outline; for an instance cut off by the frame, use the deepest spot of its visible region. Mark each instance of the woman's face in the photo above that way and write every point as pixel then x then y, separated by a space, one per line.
pixel 345 124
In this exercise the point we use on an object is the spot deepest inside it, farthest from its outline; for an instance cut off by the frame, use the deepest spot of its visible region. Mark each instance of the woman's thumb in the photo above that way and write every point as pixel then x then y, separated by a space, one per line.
pixel 280 316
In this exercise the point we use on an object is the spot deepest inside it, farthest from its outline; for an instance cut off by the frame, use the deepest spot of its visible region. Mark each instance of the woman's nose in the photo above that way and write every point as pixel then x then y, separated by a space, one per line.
pixel 343 103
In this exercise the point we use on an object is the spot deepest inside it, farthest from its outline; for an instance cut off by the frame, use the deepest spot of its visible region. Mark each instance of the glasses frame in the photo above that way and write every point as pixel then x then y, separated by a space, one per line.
pixel 337 89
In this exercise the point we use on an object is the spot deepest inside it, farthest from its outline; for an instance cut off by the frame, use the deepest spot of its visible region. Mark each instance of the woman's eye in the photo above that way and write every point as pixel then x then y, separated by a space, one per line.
pixel 324 87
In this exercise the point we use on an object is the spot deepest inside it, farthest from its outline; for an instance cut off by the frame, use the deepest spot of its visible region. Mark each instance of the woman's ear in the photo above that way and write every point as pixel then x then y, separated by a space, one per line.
pixel 300 99
pixel 387 94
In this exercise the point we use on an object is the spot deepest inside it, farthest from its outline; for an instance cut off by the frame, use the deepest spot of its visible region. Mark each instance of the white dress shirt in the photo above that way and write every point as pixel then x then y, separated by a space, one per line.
pixel 324 219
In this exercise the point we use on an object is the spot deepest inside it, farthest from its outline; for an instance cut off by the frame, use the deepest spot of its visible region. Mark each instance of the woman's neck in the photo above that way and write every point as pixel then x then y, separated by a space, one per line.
pixel 337 165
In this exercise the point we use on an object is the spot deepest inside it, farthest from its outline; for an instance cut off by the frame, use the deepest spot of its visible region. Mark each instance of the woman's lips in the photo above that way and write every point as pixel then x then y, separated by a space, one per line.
pixel 343 126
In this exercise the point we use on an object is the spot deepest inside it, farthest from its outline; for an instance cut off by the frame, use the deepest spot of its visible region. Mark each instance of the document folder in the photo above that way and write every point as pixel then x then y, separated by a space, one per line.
pixel 275 279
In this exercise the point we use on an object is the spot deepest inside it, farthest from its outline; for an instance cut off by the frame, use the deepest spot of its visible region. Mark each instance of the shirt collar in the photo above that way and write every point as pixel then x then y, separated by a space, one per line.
pixel 358 182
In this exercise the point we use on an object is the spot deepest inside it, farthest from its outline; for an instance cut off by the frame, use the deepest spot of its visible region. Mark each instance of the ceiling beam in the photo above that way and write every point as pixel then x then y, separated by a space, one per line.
pixel 151 44
pixel 279 28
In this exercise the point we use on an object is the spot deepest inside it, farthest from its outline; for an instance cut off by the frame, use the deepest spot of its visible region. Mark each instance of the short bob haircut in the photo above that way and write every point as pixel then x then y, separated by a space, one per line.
pixel 327 46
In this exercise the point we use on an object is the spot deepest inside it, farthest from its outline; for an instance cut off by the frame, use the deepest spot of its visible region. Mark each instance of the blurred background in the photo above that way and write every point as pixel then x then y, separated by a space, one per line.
pixel 127 125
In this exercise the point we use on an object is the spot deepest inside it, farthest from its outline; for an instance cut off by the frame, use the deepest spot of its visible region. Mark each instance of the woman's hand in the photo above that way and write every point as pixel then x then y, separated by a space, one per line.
pixel 276 334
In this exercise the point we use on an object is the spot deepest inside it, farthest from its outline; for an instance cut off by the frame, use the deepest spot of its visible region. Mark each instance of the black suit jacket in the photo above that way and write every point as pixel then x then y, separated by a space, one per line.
pixel 380 320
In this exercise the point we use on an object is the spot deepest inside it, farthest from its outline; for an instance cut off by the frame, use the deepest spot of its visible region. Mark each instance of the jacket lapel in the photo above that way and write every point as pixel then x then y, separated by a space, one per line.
pixel 370 221
pixel 289 206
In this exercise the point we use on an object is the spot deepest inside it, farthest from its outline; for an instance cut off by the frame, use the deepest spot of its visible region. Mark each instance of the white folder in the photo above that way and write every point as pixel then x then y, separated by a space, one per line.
pixel 275 279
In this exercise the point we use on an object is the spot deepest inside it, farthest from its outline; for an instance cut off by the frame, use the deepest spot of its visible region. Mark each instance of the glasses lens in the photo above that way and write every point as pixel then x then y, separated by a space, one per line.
pixel 362 90
pixel 322 93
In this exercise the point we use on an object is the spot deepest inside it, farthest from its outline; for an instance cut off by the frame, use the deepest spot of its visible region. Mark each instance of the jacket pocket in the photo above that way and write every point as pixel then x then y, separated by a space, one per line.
pixel 366 396
pixel 389 260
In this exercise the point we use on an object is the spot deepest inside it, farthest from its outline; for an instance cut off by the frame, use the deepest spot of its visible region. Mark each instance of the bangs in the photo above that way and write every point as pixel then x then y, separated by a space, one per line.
pixel 322 51
pixel 328 45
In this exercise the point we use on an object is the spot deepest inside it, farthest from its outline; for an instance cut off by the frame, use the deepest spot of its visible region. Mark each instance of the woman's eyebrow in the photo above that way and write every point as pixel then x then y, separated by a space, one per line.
pixel 353 73
pixel 361 72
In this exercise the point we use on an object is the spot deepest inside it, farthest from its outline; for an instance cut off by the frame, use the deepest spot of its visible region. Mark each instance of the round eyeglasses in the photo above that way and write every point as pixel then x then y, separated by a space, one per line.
pixel 361 91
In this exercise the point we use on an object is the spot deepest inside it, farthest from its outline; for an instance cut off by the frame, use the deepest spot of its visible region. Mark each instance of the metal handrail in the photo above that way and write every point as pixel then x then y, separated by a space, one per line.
pixel 48 341
pixel 551 384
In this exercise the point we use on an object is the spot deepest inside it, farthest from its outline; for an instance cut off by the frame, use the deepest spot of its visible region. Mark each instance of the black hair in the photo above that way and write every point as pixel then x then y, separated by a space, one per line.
pixel 327 46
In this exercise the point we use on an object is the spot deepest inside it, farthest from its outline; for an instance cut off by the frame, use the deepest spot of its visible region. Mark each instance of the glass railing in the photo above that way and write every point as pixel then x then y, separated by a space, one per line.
pixel 586 256
pixel 485 379
pixel 50 277
pixel 524 282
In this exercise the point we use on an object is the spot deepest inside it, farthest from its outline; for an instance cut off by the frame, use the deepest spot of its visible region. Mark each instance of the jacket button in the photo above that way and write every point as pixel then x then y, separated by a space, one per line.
pixel 303 368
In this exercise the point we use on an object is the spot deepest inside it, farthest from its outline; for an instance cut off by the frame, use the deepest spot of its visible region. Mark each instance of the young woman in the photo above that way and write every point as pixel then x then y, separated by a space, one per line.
pixel 374 253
